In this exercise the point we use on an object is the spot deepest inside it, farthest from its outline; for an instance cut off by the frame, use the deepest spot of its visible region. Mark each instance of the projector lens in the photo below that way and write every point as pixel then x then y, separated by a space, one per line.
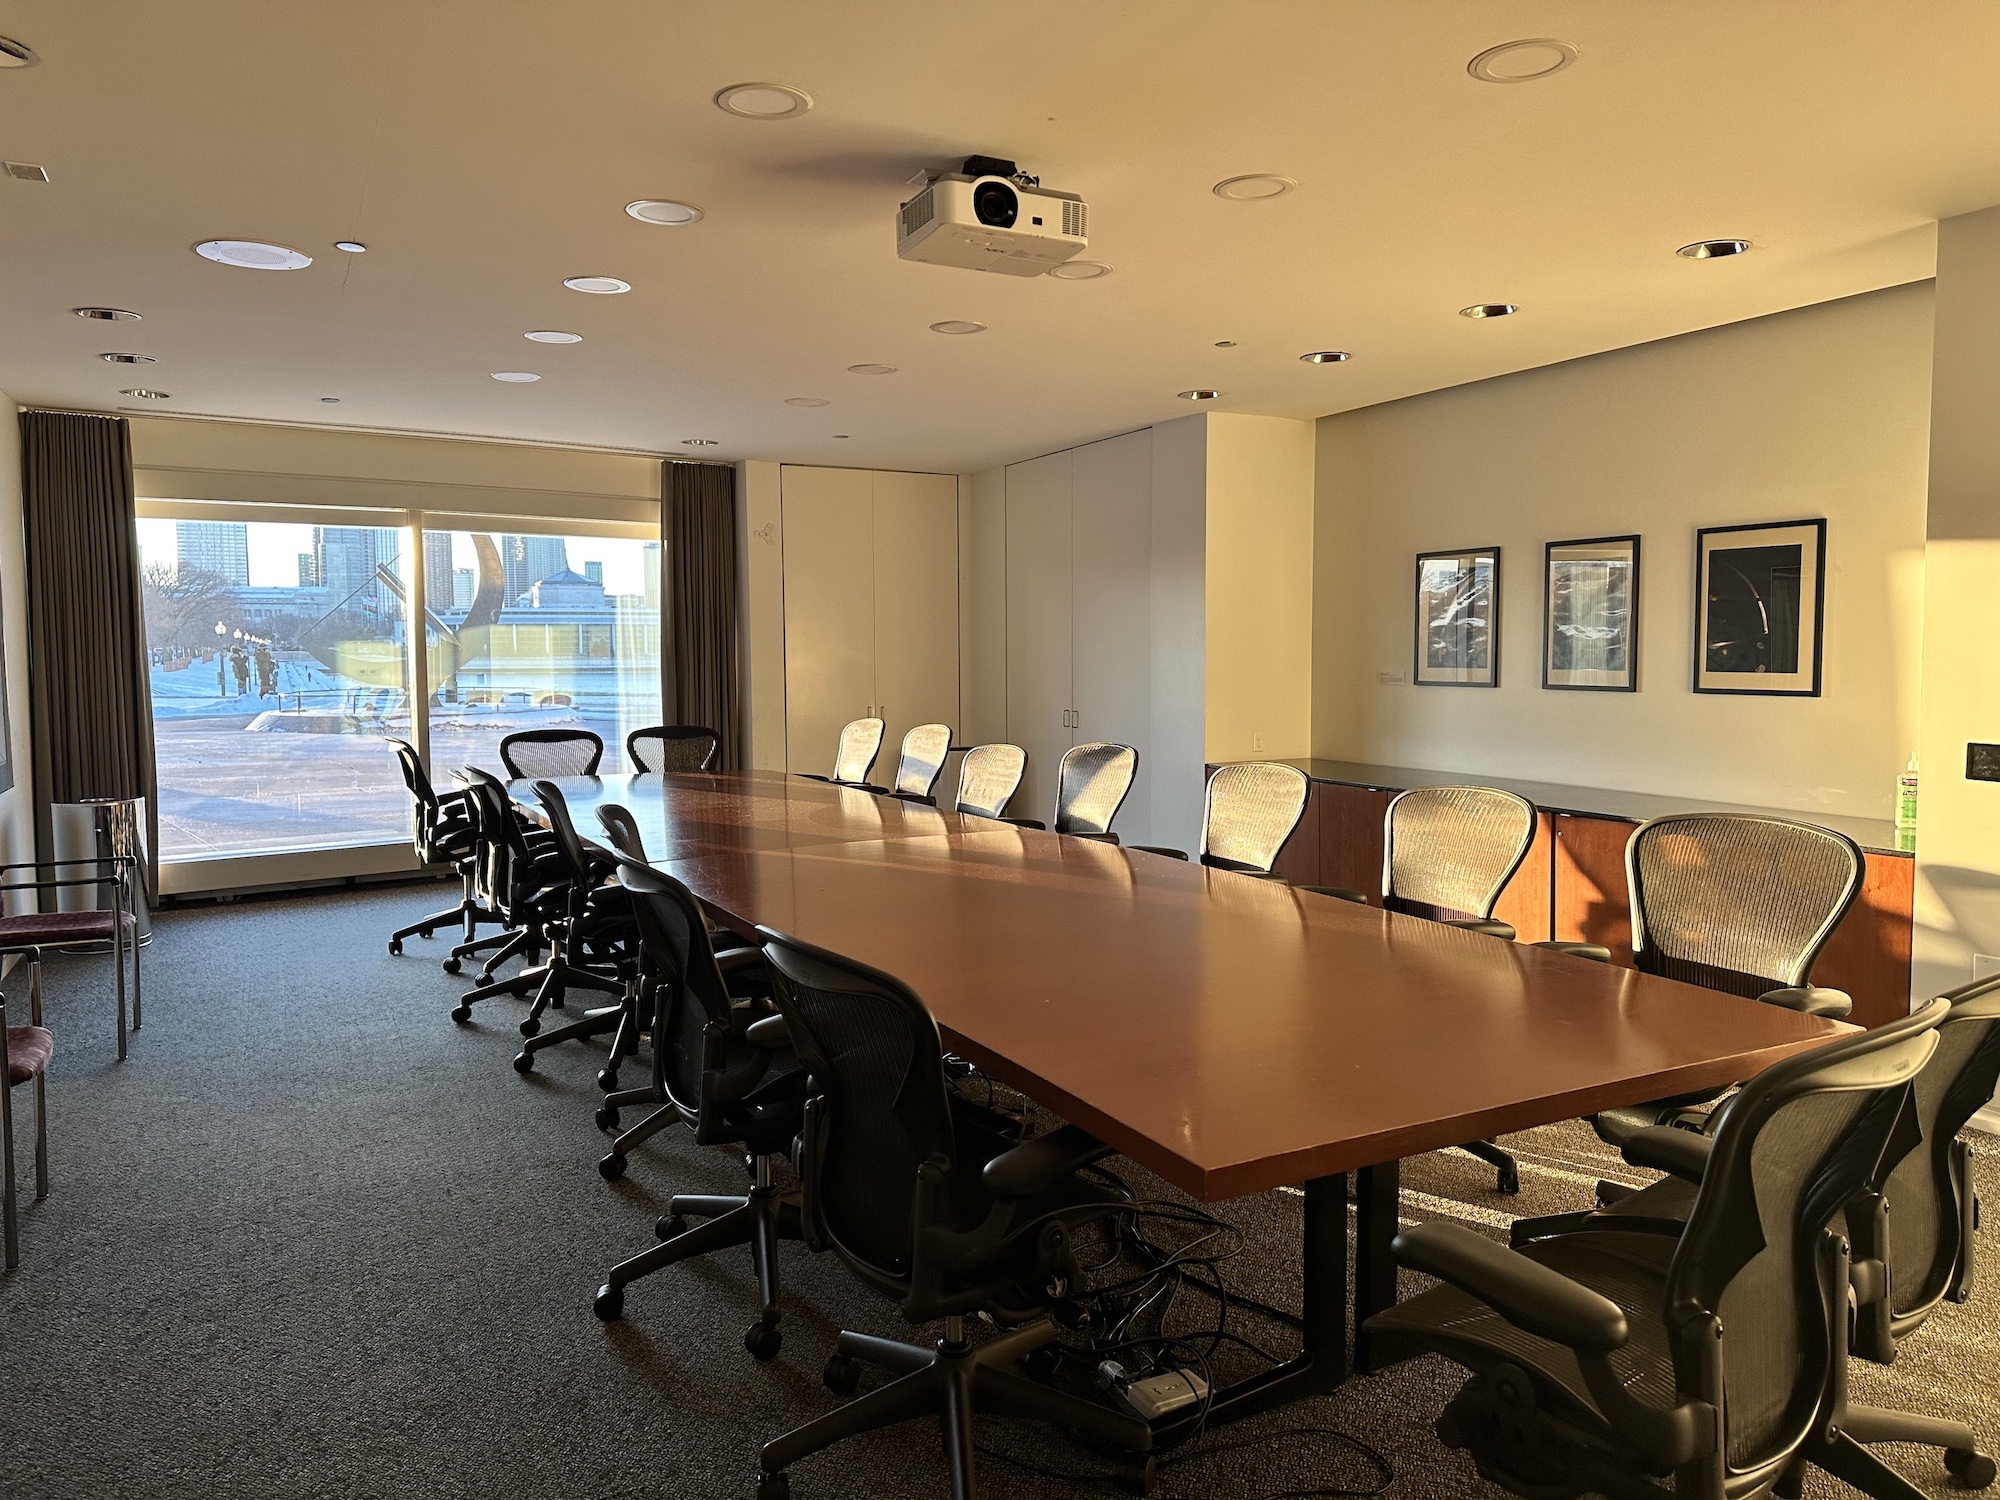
pixel 996 205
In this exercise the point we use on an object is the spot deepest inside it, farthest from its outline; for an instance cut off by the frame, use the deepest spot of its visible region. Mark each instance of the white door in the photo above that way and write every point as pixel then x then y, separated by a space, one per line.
pixel 1111 528
pixel 1038 625
pixel 829 609
pixel 916 607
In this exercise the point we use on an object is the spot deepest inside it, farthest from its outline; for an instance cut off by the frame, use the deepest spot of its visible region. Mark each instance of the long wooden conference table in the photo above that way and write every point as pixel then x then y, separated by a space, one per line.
pixel 1231 1034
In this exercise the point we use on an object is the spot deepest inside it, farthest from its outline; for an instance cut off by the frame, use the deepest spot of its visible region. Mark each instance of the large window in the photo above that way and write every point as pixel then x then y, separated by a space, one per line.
pixel 282 661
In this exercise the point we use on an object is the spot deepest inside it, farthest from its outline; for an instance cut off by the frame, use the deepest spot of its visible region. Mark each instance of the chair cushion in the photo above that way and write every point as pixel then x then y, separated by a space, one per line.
pixel 42 929
pixel 29 1049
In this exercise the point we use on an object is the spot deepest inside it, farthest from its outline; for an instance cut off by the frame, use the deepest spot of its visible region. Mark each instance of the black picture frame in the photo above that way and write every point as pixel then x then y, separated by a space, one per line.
pixel 1479 638
pixel 1759 615
pixel 1625 681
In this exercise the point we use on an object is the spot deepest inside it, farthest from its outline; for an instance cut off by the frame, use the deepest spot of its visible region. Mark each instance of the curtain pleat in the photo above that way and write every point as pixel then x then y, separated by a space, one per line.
pixel 698 554
pixel 88 686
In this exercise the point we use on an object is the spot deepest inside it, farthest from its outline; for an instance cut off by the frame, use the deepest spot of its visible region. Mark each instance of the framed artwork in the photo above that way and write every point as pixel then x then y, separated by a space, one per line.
pixel 1458 618
pixel 1590 615
pixel 1760 594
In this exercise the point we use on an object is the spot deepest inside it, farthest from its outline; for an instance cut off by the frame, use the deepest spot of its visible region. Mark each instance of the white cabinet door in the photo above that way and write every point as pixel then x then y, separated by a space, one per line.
pixel 1038 625
pixel 829 609
pixel 1111 528
pixel 916 607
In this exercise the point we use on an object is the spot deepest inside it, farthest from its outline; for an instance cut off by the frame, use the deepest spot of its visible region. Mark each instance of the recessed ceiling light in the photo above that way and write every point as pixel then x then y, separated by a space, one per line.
pixel 1225 343
pixel 145 395
pixel 253 255
pixel 1489 310
pixel 553 336
pixel 1080 270
pixel 15 54
pixel 352 247
pixel 764 101
pixel 1713 249
pixel 128 359
pixel 516 377
pixel 603 286
pixel 697 442
pixel 1522 61
pixel 330 400
pixel 26 171
pixel 106 314
pixel 841 435
pixel 1327 357
pixel 871 369
pixel 1199 395
pixel 805 401
pixel 1255 185
pixel 663 211
pixel 958 325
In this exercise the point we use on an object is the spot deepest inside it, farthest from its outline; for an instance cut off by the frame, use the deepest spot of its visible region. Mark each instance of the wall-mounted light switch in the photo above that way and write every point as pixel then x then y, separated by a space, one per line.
pixel 1391 679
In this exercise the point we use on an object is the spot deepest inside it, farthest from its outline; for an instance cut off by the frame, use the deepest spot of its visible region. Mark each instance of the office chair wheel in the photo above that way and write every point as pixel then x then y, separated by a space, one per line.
pixel 607 1080
pixel 606 1117
pixel 1508 1180
pixel 842 1375
pixel 395 945
pixel 670 1225
pixel 451 965
pixel 530 1026
pixel 609 1303
pixel 1040 1364
pixel 1140 1475
pixel 763 1341
pixel 776 1486
pixel 524 1061
pixel 611 1167
pixel 1972 1469
pixel 461 1013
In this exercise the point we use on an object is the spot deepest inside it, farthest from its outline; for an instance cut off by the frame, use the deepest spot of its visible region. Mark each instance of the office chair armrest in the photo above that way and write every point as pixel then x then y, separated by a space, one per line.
pixel 1338 892
pixel 1027 823
pixel 1489 926
pixel 1097 838
pixel 1812 1000
pixel 1042 1164
pixel 743 972
pixel 919 797
pixel 1525 1292
pixel 867 786
pixel 1159 849
pixel 1595 951
pixel 771 1034
pixel 1668 1148
pixel 809 776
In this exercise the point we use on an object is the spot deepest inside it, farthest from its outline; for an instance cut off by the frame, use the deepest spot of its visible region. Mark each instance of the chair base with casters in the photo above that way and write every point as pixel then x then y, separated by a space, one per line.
pixel 468 916
pixel 24 1055
pixel 616 1019
pixel 955 1380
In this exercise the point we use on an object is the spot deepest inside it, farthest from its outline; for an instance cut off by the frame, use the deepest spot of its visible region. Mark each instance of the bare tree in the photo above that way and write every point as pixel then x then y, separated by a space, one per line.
pixel 183 605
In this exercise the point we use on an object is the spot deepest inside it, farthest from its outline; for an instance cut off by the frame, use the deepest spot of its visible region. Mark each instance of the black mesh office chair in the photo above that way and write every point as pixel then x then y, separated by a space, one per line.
pixel 551 752
pixel 988 777
pixel 1598 1360
pixel 527 883
pixel 729 1088
pixel 1447 854
pixel 1247 814
pixel 1091 785
pixel 935 1203
pixel 853 760
pixel 672 747
pixel 442 831
pixel 922 762
pixel 1735 902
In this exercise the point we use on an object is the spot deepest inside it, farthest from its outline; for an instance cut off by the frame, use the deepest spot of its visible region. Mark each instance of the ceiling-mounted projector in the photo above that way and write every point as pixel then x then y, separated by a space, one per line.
pixel 990 217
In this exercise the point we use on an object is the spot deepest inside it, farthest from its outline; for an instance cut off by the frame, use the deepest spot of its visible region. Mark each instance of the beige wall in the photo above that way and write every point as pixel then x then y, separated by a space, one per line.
pixel 1958 843
pixel 982 535
pixel 1819 412
pixel 760 550
pixel 17 816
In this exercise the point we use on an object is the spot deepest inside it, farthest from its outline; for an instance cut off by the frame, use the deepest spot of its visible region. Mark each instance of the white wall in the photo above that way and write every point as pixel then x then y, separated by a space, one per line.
pixel 17 814
pixel 760 550
pixel 1819 412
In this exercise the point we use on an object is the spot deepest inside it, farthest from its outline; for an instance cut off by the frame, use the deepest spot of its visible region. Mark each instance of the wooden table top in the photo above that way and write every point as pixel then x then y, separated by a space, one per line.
pixel 1231 1034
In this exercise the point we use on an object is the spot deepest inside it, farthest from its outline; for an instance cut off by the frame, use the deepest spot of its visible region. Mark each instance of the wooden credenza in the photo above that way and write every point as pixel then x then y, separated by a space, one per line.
pixel 1571 887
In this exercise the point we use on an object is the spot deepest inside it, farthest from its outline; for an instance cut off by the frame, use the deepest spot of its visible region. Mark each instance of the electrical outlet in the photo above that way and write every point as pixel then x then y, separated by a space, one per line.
pixel 1257 742
pixel 1391 679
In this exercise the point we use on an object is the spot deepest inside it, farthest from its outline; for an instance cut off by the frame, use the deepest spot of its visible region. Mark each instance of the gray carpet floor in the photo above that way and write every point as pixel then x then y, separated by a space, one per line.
pixel 314 1240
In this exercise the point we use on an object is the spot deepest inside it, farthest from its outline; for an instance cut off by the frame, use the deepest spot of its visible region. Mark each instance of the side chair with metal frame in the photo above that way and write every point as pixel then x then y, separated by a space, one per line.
pixel 854 758
pixel 671 748
pixel 921 763
pixel 988 777
pixel 24 1055
pixel 443 834
pixel 1248 812
pixel 551 752
pixel 1092 783
pixel 29 933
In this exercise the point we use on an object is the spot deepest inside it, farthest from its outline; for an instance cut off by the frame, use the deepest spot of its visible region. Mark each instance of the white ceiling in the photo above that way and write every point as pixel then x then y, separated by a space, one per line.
pixel 484 150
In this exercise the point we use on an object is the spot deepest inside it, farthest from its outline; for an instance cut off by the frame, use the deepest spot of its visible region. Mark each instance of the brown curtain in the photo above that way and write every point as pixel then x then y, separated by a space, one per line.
pixel 88 680
pixel 698 556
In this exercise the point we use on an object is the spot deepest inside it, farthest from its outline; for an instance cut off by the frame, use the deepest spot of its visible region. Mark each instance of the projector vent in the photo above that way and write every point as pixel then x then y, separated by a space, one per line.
pixel 27 171
pixel 918 212
pixel 1076 217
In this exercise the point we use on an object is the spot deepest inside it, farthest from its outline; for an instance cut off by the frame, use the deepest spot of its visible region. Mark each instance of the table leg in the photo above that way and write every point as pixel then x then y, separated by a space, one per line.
pixel 1378 1197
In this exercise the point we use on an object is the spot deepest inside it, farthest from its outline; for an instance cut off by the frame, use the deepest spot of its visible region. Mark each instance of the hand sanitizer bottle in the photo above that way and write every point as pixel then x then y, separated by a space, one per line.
pixel 1906 796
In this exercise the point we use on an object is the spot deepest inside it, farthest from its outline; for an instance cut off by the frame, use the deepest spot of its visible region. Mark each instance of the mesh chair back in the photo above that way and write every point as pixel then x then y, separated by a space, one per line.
pixel 691 1001
pixel 1251 810
pixel 988 778
pixel 505 857
pixel 623 830
pixel 860 745
pixel 1448 851
pixel 872 1052
pixel 1792 1148
pixel 672 747
pixel 551 752
pixel 569 844
pixel 924 750
pixel 1091 785
pixel 1737 902
pixel 415 777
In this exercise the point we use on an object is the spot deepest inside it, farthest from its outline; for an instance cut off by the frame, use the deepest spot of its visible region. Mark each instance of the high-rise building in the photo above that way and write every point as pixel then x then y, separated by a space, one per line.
pixel 526 560
pixel 650 570
pixel 594 571
pixel 438 593
pixel 346 557
pixel 309 570
pixel 218 547
pixel 464 586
